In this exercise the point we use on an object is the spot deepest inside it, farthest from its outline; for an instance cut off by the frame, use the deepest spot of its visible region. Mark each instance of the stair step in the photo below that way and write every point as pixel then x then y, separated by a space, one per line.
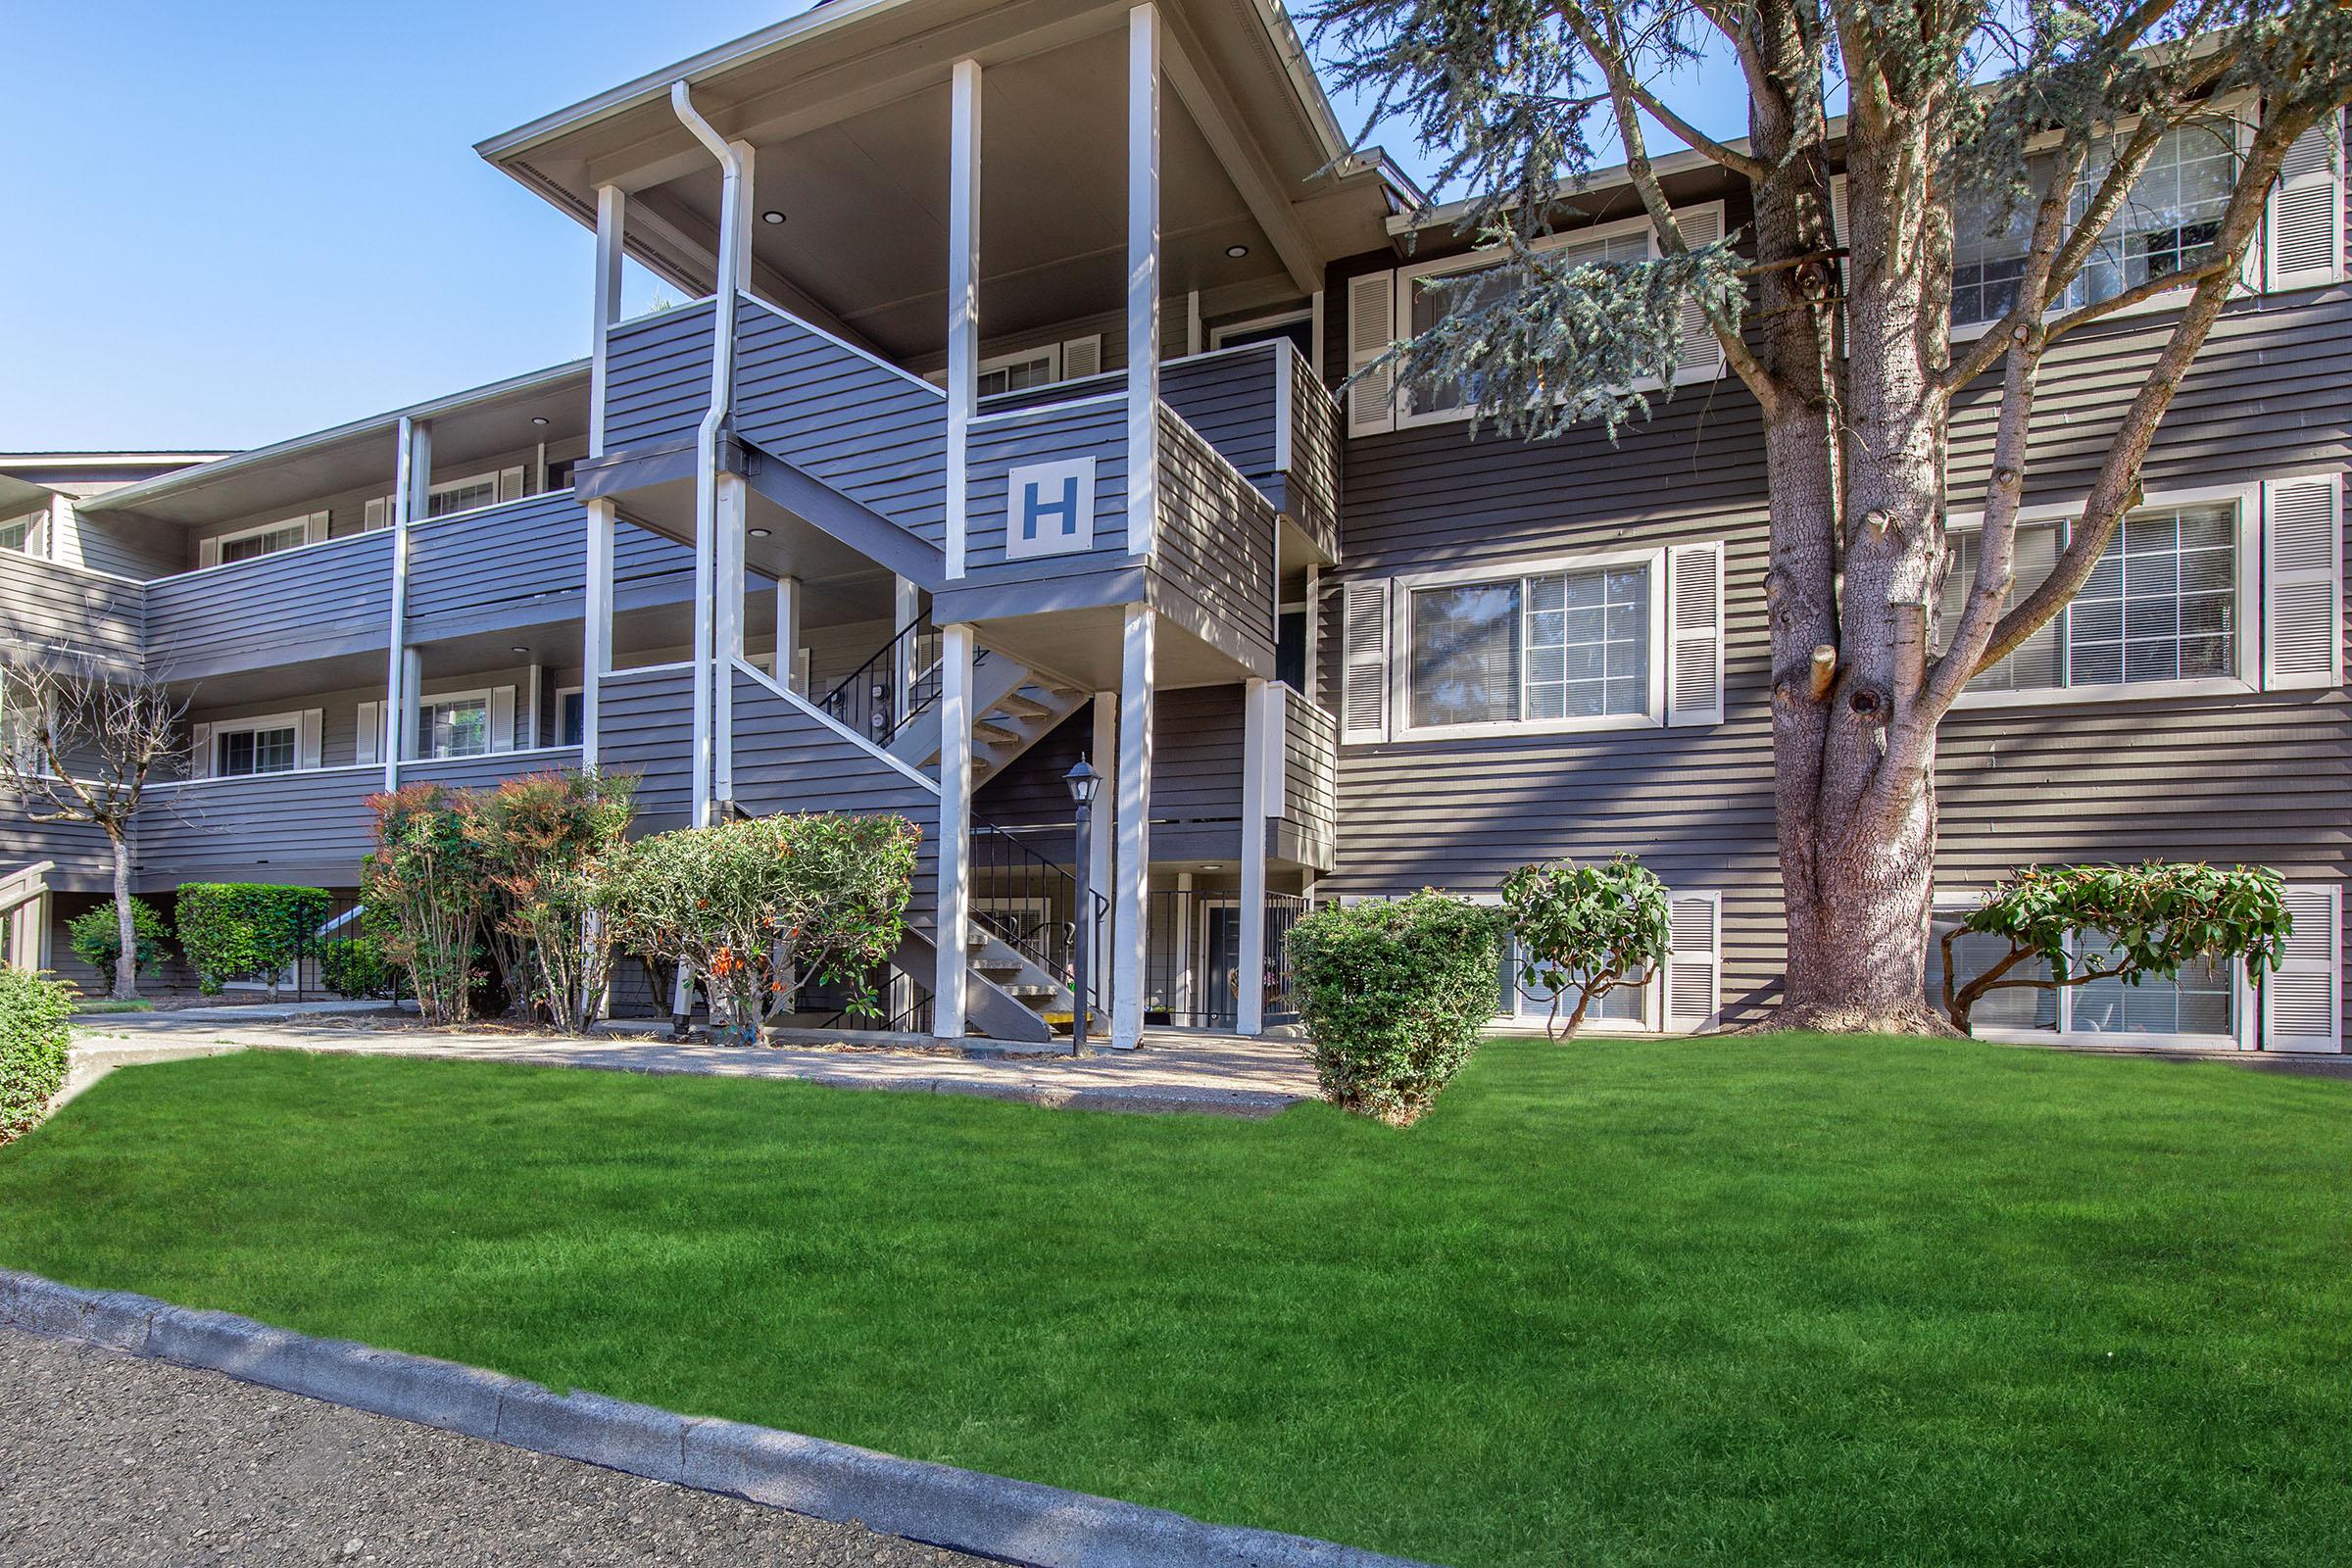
pixel 1023 707
pixel 996 734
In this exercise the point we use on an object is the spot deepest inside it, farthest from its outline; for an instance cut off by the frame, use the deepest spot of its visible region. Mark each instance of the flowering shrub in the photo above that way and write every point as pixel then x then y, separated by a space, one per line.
pixel 1394 996
pixel 424 886
pixel 546 841
pixel 761 908
pixel 245 930
pixel 2094 923
pixel 1585 930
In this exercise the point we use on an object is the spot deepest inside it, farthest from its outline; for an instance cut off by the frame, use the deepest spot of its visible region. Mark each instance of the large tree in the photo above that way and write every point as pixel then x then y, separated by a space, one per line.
pixel 2036 119
pixel 79 744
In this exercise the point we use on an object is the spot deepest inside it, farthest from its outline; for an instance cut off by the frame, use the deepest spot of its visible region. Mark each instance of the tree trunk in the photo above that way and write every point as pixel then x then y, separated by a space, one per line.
pixel 126 929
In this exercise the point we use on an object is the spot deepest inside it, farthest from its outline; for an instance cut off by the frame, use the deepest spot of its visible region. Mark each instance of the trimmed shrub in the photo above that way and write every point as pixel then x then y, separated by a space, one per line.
pixel 762 909
pixel 424 886
pixel 1394 996
pixel 246 930
pixel 356 967
pixel 2128 922
pixel 544 840
pixel 1585 930
pixel 96 936
pixel 34 1039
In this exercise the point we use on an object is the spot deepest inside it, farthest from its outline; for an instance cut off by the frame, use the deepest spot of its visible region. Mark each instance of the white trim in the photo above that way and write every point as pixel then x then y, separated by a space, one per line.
pixel 489 696
pixel 1260 742
pixel 562 692
pixel 1259 323
pixel 2296 587
pixel 802 705
pixel 951 921
pixel 2248 616
pixel 2306 961
pixel 307 521
pixel 611 241
pixel 1401 642
pixel 1047 411
pixel 1401 323
pixel 218 729
pixel 1130 879
pixel 962 375
pixel 1144 284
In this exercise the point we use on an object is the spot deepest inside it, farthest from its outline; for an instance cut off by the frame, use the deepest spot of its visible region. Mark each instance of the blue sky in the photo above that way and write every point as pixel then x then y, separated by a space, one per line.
pixel 236 221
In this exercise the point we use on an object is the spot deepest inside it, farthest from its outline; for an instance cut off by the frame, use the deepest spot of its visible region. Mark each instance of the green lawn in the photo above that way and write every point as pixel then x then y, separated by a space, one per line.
pixel 1779 1301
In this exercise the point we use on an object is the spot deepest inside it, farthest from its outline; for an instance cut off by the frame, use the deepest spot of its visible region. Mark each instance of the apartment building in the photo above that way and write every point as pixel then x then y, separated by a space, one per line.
pixel 1009 424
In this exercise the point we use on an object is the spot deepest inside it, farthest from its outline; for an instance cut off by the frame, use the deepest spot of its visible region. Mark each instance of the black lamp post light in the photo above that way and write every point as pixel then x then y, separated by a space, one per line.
pixel 1083 781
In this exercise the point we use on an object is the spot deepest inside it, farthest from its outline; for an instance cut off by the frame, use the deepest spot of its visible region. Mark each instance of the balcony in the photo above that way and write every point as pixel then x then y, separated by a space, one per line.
pixel 318 600
pixel 52 612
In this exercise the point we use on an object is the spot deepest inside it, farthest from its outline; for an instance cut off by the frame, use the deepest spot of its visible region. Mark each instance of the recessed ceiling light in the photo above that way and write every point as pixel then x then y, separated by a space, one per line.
pixel 771 216
pixel 1212 865
pixel 1237 252
pixel 538 419
pixel 518 648
pixel 759 533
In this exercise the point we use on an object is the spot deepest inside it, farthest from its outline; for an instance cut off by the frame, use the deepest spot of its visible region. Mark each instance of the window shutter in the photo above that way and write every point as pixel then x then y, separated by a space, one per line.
pixel 379 516
pixel 502 719
pixel 368 746
pixel 1694 968
pixel 2302 572
pixel 1838 222
pixel 1371 329
pixel 200 752
pixel 314 528
pixel 208 553
pixel 2303 229
pixel 310 735
pixel 1364 662
pixel 1082 357
pixel 1701 355
pixel 2302 1009
pixel 1694 639
pixel 510 484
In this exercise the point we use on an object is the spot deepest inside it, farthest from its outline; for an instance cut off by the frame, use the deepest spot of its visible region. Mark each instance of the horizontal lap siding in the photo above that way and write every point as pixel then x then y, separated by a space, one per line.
pixel 657 378
pixel 1229 399
pixel 508 556
pixel 257 613
pixel 1213 558
pixel 2259 778
pixel 1311 769
pixel 82 856
pixel 486 772
pixel 1311 490
pixel 1197 745
pixel 868 431
pixel 996 446
pixel 51 610
pixel 787 760
pixel 645 725
pixel 304 826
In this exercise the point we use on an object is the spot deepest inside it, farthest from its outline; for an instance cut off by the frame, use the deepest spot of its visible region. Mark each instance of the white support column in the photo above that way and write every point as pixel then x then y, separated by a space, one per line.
pixel 529 724
pixel 1249 957
pixel 1184 992
pixel 1133 877
pixel 954 830
pixel 1143 276
pixel 412 494
pixel 1194 340
pixel 1102 830
pixel 612 211
pixel 788 631
pixel 726 632
pixel 906 609
pixel 596 626
pixel 963 294
pixel 408 710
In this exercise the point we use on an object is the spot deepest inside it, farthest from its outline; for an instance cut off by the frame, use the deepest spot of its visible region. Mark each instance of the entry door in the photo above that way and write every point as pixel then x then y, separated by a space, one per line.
pixel 1221 984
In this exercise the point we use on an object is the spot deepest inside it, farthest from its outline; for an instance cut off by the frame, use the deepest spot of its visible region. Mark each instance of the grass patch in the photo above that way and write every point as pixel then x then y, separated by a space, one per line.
pixel 1781 1302
pixel 93 1009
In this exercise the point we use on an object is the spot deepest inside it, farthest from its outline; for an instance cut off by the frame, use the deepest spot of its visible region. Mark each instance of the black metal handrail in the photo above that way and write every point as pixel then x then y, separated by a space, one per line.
pixel 1032 904
pixel 899 680
pixel 913 1019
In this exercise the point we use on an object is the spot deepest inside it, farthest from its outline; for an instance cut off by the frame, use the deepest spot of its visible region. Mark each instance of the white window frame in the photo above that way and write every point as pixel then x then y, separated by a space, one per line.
pixel 1407 278
pixel 1051 353
pixel 222 542
pixel 2247 657
pixel 1529 1014
pixel 1259 323
pixel 221 728
pixel 37 534
pixel 1401 646
pixel 2243 1005
pixel 2237 107
pixel 487 696
pixel 492 477
pixel 562 692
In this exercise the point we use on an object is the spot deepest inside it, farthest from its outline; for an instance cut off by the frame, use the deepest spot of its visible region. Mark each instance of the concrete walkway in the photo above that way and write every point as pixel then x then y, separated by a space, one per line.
pixel 1221 1075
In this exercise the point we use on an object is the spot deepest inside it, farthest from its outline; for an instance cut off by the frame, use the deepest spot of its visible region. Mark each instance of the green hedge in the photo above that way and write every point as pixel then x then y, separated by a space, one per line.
pixel 1394 996
pixel 356 967
pixel 97 937
pixel 33 1036
pixel 246 930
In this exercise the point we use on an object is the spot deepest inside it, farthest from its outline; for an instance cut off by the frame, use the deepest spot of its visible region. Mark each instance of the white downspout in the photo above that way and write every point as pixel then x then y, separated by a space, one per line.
pixel 706 474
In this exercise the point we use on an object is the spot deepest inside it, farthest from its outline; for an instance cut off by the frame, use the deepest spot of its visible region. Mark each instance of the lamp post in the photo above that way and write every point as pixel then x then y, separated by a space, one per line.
pixel 1083 781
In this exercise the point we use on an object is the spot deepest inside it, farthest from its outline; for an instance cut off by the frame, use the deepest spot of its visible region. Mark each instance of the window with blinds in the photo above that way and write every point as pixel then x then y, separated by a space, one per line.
pixel 1543 646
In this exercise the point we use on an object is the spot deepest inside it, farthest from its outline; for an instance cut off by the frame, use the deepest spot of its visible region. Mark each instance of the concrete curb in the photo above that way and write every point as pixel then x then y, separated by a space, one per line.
pixel 1017 1521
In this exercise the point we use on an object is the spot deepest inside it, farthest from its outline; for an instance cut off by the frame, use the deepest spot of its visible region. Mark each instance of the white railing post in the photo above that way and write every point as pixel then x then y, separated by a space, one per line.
pixel 596 625
pixel 412 499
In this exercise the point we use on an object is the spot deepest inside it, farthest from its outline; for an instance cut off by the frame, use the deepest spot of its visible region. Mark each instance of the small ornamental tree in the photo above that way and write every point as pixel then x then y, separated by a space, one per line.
pixel 1394 996
pixel 546 841
pixel 96 934
pixel 761 908
pixel 246 930
pixel 2134 924
pixel 425 885
pixel 1585 930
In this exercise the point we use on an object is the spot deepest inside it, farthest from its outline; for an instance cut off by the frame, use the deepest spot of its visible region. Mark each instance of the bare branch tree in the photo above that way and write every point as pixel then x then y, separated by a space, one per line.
pixel 80 743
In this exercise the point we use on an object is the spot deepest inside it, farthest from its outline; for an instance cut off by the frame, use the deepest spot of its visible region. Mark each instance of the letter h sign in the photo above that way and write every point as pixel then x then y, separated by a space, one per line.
pixel 1049 509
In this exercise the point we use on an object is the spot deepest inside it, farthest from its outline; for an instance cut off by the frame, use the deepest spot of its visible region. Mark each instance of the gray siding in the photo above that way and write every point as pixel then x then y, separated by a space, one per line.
pixel 50 610
pixel 1230 399
pixel 525 563
pixel 1213 560
pixel 1309 825
pixel 310 827
pixel 998 445
pixel 82 856
pixel 302 604
pixel 645 725
pixel 486 772
pixel 2257 778
pixel 1310 493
